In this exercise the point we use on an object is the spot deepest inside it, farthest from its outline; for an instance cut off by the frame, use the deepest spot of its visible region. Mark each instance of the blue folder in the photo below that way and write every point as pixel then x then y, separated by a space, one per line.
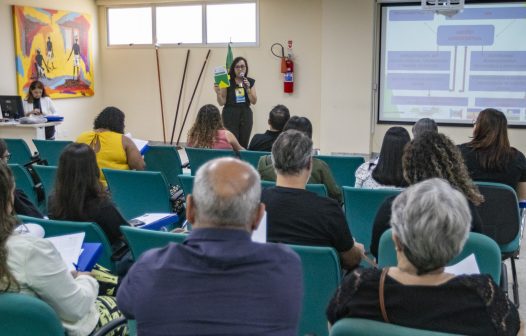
pixel 163 224
pixel 89 256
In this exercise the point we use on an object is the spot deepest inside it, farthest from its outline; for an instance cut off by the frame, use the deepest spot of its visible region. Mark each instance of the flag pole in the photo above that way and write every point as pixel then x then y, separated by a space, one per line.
pixel 180 94
pixel 160 90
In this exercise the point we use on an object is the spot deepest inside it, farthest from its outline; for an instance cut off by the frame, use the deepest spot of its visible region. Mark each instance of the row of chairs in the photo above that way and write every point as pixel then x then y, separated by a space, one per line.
pixel 48 150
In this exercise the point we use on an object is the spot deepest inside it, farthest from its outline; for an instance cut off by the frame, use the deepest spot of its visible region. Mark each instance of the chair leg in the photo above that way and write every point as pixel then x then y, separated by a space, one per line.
pixel 515 283
pixel 504 278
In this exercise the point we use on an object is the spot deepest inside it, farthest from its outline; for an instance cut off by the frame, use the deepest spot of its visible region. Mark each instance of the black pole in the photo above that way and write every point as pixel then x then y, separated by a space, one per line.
pixel 191 99
pixel 180 94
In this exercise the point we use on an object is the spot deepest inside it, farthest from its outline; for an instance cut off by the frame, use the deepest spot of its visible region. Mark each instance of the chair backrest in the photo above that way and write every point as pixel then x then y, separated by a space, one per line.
pixel 252 157
pixel 166 160
pixel 318 189
pixel 140 240
pixel 19 150
pixel 25 315
pixel 361 206
pixel 199 156
pixel 50 150
pixel 187 183
pixel 47 175
pixel 321 277
pixel 500 214
pixel 138 192
pixel 486 251
pixel 24 182
pixel 343 167
pixel 267 184
pixel 363 327
pixel 94 234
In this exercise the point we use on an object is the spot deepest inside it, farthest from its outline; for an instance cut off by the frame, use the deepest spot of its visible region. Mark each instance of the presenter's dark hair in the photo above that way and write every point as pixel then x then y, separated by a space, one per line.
pixel 490 140
pixel 111 118
pixel 389 170
pixel 8 222
pixel 301 124
pixel 35 85
pixel 278 117
pixel 424 125
pixel 76 184
pixel 232 70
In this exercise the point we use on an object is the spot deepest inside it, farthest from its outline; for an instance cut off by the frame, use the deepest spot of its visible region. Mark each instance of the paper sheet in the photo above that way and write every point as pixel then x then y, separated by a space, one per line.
pixel 138 142
pixel 466 266
pixel 69 246
pixel 260 235
pixel 149 218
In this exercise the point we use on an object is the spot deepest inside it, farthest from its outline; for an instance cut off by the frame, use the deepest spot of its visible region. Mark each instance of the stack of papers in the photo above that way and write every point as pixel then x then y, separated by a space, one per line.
pixel 465 266
pixel 70 247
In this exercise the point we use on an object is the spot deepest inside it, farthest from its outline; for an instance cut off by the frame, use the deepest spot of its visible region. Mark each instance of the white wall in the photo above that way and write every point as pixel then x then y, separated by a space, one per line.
pixel 78 112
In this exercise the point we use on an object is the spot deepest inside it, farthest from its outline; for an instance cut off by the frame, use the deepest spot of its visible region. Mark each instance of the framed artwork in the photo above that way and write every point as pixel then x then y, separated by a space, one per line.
pixel 54 47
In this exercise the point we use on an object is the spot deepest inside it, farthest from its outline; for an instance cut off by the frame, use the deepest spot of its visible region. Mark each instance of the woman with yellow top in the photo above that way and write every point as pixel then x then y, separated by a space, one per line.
pixel 112 148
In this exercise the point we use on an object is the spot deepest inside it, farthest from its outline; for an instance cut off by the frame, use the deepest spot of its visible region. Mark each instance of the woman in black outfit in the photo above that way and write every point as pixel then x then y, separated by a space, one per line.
pixel 236 99
pixel 489 156
pixel 79 196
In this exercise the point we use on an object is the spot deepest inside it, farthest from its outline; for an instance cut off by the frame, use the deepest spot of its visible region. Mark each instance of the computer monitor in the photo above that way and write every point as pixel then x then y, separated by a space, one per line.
pixel 11 107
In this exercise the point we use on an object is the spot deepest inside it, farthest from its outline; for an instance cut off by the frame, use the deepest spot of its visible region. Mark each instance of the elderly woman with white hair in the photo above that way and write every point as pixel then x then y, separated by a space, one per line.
pixel 430 222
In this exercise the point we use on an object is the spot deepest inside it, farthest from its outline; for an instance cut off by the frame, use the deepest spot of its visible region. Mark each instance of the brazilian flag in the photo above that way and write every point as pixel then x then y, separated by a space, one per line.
pixel 229 57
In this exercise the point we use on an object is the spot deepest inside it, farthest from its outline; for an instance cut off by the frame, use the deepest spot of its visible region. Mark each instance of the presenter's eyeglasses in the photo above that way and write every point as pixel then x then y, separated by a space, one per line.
pixel 240 67
pixel 6 157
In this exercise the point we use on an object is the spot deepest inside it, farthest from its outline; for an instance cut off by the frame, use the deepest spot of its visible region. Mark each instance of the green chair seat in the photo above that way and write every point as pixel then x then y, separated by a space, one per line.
pixel 199 156
pixel 363 327
pixel 140 240
pixel 164 159
pixel 342 167
pixel 50 150
pixel 252 157
pixel 20 152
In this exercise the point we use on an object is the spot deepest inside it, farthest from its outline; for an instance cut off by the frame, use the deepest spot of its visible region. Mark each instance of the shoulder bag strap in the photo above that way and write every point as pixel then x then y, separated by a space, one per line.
pixel 381 294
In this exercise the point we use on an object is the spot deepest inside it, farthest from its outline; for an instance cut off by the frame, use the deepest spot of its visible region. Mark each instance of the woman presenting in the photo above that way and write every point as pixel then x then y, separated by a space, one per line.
pixel 38 102
pixel 237 98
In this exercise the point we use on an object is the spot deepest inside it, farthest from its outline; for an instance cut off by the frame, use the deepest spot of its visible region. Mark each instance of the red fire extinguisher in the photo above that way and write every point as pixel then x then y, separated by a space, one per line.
pixel 288 75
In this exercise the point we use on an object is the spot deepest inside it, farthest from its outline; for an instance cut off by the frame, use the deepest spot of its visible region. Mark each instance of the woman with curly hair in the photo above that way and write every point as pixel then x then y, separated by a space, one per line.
pixel 489 156
pixel 112 148
pixel 431 155
pixel 208 131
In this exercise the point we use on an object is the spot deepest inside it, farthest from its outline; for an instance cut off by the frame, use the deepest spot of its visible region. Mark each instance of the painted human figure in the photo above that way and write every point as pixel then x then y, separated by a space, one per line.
pixel 49 52
pixel 75 50
pixel 39 65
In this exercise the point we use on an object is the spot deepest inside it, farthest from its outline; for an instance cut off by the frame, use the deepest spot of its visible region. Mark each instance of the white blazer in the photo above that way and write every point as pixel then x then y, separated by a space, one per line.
pixel 46 106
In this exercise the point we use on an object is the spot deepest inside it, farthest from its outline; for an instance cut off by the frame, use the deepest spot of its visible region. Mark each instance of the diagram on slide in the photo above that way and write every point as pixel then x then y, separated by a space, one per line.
pixel 450 68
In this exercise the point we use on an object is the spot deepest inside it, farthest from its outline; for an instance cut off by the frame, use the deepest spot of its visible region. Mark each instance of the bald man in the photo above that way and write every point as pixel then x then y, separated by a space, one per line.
pixel 218 281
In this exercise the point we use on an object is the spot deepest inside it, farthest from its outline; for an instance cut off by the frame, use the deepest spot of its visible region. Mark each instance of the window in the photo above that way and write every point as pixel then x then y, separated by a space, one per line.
pixel 231 22
pixel 129 26
pixel 179 24
pixel 189 23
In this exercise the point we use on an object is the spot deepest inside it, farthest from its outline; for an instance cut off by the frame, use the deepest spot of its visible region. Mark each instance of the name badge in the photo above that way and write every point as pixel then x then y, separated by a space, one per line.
pixel 240 95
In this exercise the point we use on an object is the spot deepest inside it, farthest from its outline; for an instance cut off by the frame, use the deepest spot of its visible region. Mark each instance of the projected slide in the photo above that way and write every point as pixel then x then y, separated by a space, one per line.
pixel 450 68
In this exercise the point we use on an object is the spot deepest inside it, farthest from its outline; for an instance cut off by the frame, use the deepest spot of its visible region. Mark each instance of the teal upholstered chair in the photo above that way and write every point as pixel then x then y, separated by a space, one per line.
pixel 166 160
pixel 486 251
pixel 47 175
pixel 138 192
pixel 24 182
pixel 50 150
pixel 187 183
pixel 94 234
pixel 342 167
pixel 25 315
pixel 140 240
pixel 502 221
pixel 252 157
pixel 19 150
pixel 318 189
pixel 361 206
pixel 363 327
pixel 321 277
pixel 199 156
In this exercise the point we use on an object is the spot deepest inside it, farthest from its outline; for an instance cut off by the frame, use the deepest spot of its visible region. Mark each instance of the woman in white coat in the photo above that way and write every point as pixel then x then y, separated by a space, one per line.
pixel 38 102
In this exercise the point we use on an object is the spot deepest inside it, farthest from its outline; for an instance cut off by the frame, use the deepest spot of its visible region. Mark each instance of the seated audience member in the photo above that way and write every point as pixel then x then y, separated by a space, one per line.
pixel 208 131
pixel 430 226
pixel 113 149
pixel 321 173
pixel 32 266
pixel 22 203
pixel 386 171
pixel 298 216
pixel 218 281
pixel 424 125
pixel 277 118
pixel 489 156
pixel 79 196
pixel 431 155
